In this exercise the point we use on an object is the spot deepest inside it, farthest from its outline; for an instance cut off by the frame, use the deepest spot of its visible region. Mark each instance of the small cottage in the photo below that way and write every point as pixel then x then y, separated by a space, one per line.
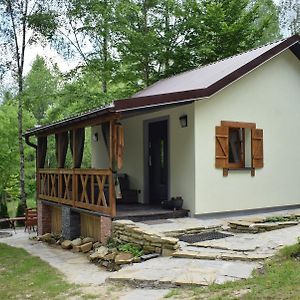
pixel 223 137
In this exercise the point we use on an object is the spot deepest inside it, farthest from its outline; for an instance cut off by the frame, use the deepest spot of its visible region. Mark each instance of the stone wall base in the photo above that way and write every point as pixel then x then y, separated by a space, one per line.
pixel 98 227
pixel 126 231
pixel 44 217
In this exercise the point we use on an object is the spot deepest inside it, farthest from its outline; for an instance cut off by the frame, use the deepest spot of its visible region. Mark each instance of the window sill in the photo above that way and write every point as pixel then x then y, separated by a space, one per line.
pixel 240 169
pixel 246 169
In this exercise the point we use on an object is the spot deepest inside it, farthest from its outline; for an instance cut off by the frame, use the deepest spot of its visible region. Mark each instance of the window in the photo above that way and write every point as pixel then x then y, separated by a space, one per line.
pixel 239 145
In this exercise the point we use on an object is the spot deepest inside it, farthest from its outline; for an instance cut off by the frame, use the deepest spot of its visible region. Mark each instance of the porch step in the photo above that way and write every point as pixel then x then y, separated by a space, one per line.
pixel 140 214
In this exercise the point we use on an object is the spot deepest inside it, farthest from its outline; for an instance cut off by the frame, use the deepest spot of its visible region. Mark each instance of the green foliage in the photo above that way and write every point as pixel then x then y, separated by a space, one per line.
pixel 9 151
pixel 112 243
pixel 12 187
pixel 130 248
pixel 40 88
pixel 290 251
pixel 282 218
pixel 20 213
pixel 3 214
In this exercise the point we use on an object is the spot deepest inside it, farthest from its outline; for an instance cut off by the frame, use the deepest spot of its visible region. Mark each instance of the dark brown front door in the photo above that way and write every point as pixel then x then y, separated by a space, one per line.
pixel 158 162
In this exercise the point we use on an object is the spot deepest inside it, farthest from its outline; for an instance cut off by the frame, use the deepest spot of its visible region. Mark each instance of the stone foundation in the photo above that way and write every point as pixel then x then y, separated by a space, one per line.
pixel 44 218
pixel 105 229
pixel 70 223
pixel 126 231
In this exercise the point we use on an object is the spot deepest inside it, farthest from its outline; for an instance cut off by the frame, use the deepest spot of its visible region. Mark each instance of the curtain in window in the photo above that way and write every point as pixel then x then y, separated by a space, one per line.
pixel 61 145
pixel 41 151
pixel 79 145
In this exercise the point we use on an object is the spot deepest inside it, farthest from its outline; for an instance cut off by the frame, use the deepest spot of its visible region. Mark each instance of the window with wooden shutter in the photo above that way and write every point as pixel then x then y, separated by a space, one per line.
pixel 257 149
pixel 221 147
pixel 239 146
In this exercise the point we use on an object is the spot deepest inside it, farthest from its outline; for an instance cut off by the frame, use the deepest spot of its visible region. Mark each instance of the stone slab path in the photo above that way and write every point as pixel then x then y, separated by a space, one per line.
pixel 157 275
pixel 168 271
pixel 244 247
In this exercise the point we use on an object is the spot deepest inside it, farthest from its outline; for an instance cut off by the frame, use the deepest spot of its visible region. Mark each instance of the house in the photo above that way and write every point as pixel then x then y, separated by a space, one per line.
pixel 224 137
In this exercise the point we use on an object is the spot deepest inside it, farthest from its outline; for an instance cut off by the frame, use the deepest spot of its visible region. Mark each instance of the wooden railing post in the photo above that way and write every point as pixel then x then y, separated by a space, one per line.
pixel 74 187
pixel 60 185
pixel 38 183
pixel 112 199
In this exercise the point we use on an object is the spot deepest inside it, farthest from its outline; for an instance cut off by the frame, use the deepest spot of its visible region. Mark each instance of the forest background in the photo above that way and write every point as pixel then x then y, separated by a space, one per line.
pixel 116 47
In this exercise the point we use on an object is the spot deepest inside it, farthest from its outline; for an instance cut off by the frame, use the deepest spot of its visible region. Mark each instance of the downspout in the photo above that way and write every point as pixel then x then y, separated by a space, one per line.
pixel 27 137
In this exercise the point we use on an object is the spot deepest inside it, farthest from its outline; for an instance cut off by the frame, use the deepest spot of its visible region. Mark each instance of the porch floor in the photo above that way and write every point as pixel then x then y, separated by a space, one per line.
pixel 144 212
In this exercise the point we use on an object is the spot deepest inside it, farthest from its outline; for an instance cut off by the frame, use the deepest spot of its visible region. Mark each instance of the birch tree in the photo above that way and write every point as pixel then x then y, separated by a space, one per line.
pixel 16 36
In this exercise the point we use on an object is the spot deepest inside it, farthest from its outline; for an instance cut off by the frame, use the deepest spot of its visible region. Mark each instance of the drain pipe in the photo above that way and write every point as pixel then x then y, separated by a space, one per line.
pixel 27 140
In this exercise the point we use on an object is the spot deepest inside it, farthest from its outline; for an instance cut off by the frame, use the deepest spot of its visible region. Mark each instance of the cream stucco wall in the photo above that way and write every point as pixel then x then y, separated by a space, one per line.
pixel 270 97
pixel 181 152
pixel 100 158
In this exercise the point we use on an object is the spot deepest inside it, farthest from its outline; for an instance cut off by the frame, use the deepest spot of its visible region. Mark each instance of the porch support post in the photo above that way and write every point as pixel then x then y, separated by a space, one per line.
pixel 105 228
pixel 44 218
pixel 112 197
pixel 74 177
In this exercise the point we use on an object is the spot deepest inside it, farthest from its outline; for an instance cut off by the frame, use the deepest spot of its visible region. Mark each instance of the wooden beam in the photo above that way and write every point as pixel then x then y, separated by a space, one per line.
pixel 80 124
pixel 111 131
pixel 238 124
pixel 74 147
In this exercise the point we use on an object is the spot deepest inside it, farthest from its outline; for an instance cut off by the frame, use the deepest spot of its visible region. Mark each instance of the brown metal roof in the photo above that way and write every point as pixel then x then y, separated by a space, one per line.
pixel 203 77
pixel 188 86
pixel 207 80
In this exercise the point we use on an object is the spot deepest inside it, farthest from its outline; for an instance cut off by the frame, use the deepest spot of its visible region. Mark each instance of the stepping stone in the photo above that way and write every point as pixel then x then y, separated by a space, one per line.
pixel 195 254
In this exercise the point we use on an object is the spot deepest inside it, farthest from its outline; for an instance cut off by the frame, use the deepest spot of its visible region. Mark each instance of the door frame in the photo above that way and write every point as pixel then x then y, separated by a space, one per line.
pixel 146 155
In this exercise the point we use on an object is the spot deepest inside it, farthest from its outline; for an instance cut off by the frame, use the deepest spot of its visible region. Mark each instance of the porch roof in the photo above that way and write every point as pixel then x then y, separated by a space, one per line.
pixel 186 87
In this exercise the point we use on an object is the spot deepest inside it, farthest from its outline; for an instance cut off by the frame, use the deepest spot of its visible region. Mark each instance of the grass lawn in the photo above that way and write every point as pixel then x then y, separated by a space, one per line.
pixel 23 276
pixel 279 279
pixel 13 205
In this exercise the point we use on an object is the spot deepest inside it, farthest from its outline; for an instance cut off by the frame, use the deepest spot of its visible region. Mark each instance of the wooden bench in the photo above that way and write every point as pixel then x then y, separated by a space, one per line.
pixel 12 221
pixel 30 219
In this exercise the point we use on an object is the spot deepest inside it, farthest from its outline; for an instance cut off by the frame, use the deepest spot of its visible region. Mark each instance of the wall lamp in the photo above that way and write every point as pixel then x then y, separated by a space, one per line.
pixel 183 121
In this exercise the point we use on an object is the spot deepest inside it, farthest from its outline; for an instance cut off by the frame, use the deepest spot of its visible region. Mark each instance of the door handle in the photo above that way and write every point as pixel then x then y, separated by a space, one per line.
pixel 150 161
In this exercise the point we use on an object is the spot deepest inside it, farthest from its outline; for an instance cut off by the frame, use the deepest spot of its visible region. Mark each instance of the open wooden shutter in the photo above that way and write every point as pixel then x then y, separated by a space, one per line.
pixel 120 146
pixel 257 149
pixel 221 147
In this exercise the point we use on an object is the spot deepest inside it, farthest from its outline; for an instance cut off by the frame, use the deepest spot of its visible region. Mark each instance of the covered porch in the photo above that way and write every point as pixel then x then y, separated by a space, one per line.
pixel 69 182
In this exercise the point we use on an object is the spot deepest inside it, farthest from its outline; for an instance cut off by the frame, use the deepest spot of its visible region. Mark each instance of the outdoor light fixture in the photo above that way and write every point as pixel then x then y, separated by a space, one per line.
pixel 183 121
pixel 95 137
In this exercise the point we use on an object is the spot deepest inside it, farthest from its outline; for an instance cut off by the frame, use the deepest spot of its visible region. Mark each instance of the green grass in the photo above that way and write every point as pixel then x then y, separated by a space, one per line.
pixel 279 279
pixel 24 276
pixel 13 205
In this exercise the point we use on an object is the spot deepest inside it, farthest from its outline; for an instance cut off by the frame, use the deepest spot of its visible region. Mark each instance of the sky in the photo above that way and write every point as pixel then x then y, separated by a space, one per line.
pixel 50 54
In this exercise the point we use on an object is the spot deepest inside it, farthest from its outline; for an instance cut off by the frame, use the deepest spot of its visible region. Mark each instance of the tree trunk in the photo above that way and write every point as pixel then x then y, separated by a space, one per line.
pixel 21 144
pixel 105 49
pixel 105 55
pixel 146 58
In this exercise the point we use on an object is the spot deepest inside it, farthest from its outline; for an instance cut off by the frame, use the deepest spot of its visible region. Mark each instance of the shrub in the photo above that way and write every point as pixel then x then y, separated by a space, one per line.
pixel 20 213
pixel 130 248
pixel 3 214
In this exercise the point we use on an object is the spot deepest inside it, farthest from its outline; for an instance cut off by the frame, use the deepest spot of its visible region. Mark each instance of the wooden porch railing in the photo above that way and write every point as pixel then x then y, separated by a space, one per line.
pixel 91 189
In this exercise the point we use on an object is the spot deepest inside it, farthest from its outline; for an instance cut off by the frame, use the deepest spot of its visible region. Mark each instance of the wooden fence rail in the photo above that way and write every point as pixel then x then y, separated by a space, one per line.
pixel 91 189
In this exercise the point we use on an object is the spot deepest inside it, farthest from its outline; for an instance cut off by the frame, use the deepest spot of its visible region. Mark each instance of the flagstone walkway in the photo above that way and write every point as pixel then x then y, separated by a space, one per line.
pixel 202 263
